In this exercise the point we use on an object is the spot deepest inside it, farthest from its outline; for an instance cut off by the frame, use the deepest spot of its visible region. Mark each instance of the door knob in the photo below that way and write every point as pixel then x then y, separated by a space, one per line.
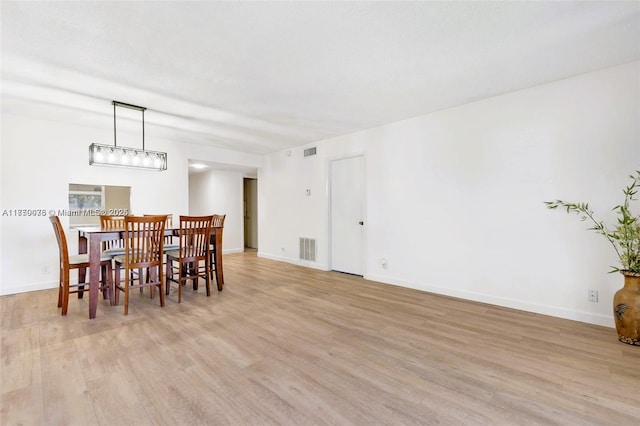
pixel 361 223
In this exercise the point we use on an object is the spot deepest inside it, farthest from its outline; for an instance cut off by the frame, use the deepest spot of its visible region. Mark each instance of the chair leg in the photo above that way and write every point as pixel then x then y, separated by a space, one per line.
pixel 207 279
pixel 105 284
pixel 167 277
pixel 190 273
pixel 181 274
pixel 214 272
pixel 212 256
pixel 140 278
pixel 127 283
pixel 65 300
pixel 65 292
pixel 60 290
pixel 194 273
pixel 160 285
pixel 156 276
pixel 108 282
pixel 82 278
pixel 152 289
pixel 116 289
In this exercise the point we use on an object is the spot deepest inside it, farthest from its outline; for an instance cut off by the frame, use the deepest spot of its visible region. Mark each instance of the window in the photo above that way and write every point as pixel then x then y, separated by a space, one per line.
pixel 85 197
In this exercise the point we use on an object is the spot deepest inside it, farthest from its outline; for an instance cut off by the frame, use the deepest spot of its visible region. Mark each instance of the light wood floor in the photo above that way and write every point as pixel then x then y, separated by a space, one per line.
pixel 289 345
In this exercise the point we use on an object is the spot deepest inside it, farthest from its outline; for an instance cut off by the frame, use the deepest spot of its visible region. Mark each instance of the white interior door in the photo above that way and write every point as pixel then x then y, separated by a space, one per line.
pixel 347 215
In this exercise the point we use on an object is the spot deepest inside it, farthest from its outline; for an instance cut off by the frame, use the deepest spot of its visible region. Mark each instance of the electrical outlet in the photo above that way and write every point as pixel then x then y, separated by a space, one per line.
pixel 45 269
pixel 384 263
pixel 593 296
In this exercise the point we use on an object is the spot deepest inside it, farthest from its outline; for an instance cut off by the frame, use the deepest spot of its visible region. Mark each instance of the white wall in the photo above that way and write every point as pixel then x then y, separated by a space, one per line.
pixel 220 192
pixel 40 158
pixel 455 198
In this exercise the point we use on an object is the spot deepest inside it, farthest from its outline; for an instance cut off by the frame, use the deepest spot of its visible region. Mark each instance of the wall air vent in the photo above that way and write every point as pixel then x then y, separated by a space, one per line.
pixel 310 151
pixel 307 249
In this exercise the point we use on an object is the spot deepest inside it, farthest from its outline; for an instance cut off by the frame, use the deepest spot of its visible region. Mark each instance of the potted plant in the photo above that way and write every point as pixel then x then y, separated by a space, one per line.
pixel 625 239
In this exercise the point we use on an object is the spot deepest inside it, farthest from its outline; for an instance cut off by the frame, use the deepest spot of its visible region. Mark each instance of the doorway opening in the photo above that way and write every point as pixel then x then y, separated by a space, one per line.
pixel 250 207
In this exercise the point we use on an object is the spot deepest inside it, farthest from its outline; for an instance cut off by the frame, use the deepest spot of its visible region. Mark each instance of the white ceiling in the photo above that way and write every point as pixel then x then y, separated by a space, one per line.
pixel 264 76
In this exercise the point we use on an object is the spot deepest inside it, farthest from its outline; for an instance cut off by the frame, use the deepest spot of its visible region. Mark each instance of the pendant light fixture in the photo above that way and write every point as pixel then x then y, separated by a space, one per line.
pixel 117 156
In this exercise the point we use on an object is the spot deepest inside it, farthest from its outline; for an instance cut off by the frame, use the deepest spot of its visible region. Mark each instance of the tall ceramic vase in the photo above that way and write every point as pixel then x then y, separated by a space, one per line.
pixel 626 309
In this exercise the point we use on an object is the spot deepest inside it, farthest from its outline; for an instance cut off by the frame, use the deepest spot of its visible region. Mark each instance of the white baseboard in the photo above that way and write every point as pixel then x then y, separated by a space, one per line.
pixel 554 311
pixel 46 285
pixel 230 251
pixel 298 262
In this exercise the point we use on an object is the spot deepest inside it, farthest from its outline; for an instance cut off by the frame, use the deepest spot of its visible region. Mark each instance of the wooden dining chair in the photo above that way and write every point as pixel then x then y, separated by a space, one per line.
pixel 169 244
pixel 184 264
pixel 143 244
pixel 218 224
pixel 80 261
pixel 112 247
pixel 115 248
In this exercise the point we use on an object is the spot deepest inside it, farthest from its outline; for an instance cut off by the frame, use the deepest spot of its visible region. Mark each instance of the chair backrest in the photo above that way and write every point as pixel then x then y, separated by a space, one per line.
pixel 62 241
pixel 218 220
pixel 168 223
pixel 143 240
pixel 111 222
pixel 194 234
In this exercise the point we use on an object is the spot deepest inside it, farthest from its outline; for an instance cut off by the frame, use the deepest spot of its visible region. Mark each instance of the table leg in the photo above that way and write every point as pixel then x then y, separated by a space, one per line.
pixel 82 272
pixel 94 273
pixel 219 273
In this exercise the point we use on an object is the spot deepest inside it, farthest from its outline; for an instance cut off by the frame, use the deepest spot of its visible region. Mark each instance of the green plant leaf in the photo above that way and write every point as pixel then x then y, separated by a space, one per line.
pixel 625 236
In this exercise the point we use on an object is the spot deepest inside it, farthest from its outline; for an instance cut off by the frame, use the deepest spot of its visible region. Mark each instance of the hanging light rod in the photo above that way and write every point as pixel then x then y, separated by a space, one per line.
pixel 106 155
pixel 126 105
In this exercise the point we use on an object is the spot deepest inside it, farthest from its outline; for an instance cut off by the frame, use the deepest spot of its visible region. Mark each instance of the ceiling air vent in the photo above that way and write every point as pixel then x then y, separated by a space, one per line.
pixel 310 151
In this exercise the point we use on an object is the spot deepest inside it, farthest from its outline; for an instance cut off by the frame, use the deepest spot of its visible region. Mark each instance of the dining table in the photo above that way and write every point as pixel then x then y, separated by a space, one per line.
pixel 90 240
